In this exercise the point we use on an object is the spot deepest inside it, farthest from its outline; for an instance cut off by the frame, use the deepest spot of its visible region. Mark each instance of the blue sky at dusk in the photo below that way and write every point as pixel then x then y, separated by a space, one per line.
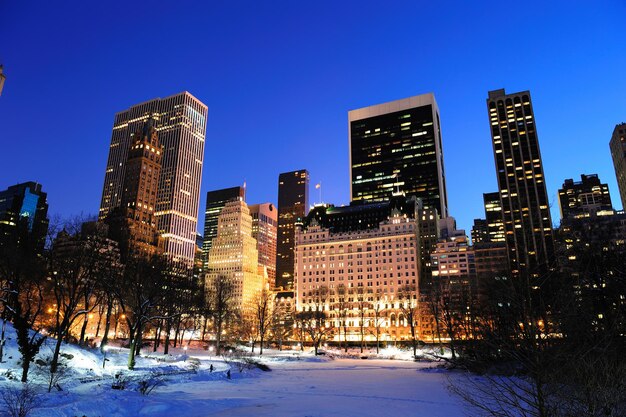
pixel 280 77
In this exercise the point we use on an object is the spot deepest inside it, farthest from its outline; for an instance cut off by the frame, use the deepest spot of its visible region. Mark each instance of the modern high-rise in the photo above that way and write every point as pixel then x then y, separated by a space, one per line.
pixel 397 145
pixel 234 255
pixel 493 215
pixel 618 152
pixel 215 202
pixel 293 204
pixel 133 224
pixel 581 198
pixel 181 129
pixel 521 182
pixel 264 226
pixel 480 231
pixel 24 210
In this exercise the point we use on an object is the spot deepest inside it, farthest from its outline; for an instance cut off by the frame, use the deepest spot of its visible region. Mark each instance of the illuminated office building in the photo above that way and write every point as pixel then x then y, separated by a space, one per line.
pixel 133 224
pixel 584 197
pixel 234 255
pixel 215 202
pixel 293 205
pixel 398 145
pixel 264 226
pixel 521 183
pixel 24 212
pixel 181 130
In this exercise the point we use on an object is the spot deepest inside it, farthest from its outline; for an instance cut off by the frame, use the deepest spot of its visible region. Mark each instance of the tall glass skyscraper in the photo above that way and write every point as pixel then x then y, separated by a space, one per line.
pixel 24 209
pixel 181 129
pixel 398 145
pixel 524 199
pixel 293 204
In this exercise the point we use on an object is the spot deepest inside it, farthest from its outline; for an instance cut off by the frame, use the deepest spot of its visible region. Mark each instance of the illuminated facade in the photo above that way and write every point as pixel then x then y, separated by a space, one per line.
pixel 133 224
pixel 521 183
pixel 215 202
pixel 234 255
pixel 181 131
pixel 24 208
pixel 264 226
pixel 618 152
pixel 360 257
pixel 293 205
pixel 453 295
pixel 581 198
pixel 398 144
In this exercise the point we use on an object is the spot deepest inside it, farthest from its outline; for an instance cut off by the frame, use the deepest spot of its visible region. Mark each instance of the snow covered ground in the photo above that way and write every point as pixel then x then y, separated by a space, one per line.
pixel 299 384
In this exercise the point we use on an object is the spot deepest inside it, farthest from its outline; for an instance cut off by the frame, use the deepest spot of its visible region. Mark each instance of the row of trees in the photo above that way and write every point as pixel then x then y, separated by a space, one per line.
pixel 81 281
pixel 549 343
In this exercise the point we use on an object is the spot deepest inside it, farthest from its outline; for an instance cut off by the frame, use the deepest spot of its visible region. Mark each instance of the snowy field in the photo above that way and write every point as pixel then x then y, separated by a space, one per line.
pixel 299 384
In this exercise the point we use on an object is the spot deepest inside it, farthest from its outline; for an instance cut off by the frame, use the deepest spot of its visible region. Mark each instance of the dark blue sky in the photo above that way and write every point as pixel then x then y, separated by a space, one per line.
pixel 279 80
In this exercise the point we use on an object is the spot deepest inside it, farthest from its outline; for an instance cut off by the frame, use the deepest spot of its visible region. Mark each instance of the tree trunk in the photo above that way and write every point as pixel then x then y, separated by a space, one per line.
pixel 131 352
pixel 25 368
pixel 218 337
pixel 157 337
pixel 2 334
pixel 261 345
pixel 138 340
pixel 204 326
pixel 55 356
pixel 168 330
pixel 81 340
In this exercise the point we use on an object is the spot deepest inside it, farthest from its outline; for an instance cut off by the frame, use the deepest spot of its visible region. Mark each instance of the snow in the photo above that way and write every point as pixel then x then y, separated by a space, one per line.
pixel 299 384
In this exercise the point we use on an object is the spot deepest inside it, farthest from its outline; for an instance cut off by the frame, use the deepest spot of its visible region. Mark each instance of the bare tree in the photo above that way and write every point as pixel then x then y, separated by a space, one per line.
pixel 146 283
pixel 379 315
pixel 220 299
pixel 264 302
pixel 314 320
pixel 407 302
pixel 362 306
pixel 341 307
pixel 19 401
pixel 75 262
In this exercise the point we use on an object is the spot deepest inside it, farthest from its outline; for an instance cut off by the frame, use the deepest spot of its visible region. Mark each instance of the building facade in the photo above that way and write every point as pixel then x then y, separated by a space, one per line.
pixel 453 295
pixel 618 152
pixel 133 224
pixel 398 145
pixel 181 129
pixel 264 226
pixel 581 198
pixel 521 183
pixel 215 202
pixel 362 271
pixel 293 205
pixel 24 212
pixel 234 255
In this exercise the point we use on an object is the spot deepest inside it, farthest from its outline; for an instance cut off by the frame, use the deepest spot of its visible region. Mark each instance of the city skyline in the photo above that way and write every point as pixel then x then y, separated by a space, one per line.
pixel 465 128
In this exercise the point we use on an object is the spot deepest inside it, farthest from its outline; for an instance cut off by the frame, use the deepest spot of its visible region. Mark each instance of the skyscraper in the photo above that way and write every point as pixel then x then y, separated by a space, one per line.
pixel 521 183
pixel 584 197
pixel 181 129
pixel 618 152
pixel 398 144
pixel 234 255
pixel 264 226
pixel 24 209
pixel 493 215
pixel 293 204
pixel 215 202
pixel 133 224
